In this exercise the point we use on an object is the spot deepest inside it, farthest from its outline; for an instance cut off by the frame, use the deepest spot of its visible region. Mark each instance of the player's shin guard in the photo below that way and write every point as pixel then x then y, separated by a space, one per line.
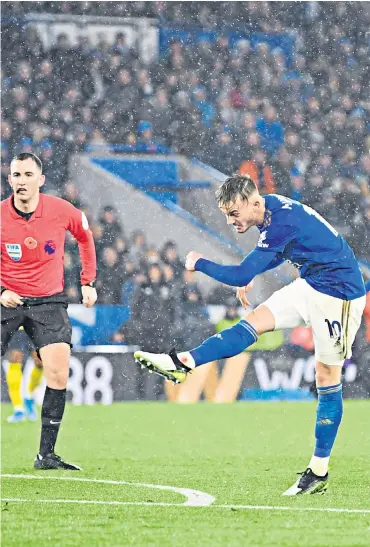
pixel 328 418
pixel 14 381
pixel 225 344
pixel 51 417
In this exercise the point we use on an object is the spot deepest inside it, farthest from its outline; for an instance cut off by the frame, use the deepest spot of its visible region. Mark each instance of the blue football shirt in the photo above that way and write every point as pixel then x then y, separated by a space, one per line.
pixel 300 235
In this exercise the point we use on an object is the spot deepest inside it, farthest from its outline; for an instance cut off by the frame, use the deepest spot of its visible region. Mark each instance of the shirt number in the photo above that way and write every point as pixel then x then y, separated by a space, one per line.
pixel 320 218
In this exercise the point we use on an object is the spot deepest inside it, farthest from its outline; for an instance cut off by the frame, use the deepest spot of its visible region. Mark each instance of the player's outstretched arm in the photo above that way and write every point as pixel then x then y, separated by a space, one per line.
pixel 241 292
pixel 254 264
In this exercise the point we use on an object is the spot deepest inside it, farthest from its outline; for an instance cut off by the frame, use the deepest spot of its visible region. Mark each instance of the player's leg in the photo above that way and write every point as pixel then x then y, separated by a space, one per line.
pixel 328 416
pixel 36 375
pixel 335 324
pixel 14 378
pixel 227 343
pixel 275 313
pixel 11 320
pixel 49 328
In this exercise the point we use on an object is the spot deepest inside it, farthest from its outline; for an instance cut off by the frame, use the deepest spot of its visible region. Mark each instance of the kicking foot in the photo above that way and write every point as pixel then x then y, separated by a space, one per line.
pixel 309 483
pixel 167 365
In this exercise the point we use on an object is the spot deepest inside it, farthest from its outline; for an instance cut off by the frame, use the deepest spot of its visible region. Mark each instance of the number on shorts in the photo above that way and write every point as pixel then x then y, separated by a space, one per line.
pixel 332 326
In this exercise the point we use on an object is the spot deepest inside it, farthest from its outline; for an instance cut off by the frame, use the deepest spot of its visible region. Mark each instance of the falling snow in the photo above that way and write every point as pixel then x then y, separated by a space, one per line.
pixel 278 90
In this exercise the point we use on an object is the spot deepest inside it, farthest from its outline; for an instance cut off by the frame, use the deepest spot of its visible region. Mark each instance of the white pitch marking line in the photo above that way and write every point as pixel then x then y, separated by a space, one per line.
pixel 285 508
pixel 96 502
pixel 193 497
pixel 214 506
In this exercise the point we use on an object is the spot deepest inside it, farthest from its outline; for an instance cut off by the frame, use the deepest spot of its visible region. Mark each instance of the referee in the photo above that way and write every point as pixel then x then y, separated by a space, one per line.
pixel 33 234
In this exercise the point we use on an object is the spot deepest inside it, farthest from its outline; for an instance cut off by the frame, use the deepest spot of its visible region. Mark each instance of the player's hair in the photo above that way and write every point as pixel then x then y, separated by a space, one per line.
pixel 28 155
pixel 235 186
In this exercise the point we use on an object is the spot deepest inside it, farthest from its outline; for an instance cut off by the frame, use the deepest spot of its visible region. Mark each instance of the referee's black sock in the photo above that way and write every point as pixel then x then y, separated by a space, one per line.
pixel 51 417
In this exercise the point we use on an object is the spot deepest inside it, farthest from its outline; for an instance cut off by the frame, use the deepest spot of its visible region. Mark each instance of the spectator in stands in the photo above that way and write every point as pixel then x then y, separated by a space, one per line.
pixel 109 125
pixel 26 145
pixel 194 322
pixel 190 285
pixel 100 51
pixel 260 172
pixel 62 57
pixel 271 131
pixel 159 110
pixel 97 231
pixel 120 47
pixel 174 284
pixel 138 248
pixel 146 142
pixel 72 194
pixel 6 141
pixel 223 154
pixel 110 278
pixel 152 313
pixel 54 176
pixel 152 256
pixel 205 108
pixel 281 167
pixel 112 228
pixel 360 232
pixel 47 85
pixel 170 256
pixel 145 86
pixel 363 177
pixel 72 279
pixel 122 95
pixel 315 192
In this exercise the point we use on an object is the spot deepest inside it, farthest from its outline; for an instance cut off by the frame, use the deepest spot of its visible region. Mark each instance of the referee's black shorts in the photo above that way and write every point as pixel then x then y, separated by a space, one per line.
pixel 45 320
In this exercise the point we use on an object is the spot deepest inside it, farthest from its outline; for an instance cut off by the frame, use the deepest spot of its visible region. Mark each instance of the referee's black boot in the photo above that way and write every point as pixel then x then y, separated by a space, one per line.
pixel 52 461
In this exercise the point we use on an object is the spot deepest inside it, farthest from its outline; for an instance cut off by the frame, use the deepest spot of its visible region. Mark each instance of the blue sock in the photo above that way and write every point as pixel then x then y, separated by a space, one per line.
pixel 328 418
pixel 227 343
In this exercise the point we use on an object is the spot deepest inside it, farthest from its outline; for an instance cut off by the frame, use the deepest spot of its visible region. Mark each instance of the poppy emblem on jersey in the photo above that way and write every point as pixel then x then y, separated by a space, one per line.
pixel 14 250
pixel 50 247
pixel 30 243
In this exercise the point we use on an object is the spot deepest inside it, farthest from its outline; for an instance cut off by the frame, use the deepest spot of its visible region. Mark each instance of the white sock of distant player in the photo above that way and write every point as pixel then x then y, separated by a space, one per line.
pixel 319 466
pixel 187 359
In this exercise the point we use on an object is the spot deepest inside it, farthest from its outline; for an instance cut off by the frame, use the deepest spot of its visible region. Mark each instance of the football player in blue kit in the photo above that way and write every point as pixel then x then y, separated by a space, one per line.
pixel 329 295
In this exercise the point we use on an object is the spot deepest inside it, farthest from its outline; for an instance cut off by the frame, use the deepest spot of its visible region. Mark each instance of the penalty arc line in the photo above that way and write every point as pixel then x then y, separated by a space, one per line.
pixel 213 506
pixel 193 497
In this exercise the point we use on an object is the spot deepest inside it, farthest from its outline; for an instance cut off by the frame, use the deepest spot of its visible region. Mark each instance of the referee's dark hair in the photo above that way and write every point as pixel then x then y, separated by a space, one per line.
pixel 28 155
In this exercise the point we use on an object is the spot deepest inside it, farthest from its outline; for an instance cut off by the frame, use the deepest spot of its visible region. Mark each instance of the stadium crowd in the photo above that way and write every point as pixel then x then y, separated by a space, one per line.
pixel 299 127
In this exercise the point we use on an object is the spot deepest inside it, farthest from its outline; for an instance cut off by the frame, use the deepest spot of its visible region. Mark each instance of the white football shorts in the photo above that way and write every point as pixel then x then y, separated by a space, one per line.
pixel 334 322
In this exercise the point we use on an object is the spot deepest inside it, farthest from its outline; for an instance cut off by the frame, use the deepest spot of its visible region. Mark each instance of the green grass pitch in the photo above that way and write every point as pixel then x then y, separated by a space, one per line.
pixel 242 454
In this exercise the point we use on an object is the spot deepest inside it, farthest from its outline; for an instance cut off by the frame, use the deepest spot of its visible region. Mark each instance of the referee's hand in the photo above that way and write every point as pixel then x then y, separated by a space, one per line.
pixel 89 296
pixel 10 299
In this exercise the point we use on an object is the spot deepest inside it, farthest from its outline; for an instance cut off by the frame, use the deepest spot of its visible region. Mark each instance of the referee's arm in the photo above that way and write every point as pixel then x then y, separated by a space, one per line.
pixel 79 228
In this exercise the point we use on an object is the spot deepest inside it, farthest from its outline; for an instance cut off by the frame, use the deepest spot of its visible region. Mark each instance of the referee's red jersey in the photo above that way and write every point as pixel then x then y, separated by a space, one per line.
pixel 32 251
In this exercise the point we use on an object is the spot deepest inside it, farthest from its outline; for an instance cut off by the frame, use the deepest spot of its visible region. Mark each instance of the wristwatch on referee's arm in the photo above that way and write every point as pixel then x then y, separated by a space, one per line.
pixel 3 289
